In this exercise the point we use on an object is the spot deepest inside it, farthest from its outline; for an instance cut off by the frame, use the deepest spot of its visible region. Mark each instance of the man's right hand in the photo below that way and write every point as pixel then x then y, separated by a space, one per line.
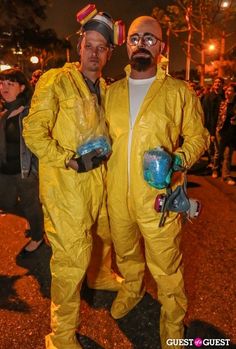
pixel 87 161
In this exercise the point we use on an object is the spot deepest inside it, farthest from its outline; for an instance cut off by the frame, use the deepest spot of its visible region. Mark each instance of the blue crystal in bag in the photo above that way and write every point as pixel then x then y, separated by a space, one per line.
pixel 101 142
pixel 157 165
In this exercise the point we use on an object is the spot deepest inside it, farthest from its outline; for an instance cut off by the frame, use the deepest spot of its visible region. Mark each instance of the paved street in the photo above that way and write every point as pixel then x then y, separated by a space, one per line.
pixel 209 251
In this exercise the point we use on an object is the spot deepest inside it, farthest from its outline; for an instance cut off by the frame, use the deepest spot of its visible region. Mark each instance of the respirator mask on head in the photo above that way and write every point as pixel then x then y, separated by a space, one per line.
pixel 91 19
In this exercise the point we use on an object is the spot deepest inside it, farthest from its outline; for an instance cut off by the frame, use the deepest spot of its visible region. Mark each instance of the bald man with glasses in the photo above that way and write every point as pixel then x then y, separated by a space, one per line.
pixel 145 110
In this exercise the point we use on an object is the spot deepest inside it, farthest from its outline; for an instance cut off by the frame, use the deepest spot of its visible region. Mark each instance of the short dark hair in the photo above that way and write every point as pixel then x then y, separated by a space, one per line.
pixel 17 75
pixel 233 86
pixel 222 80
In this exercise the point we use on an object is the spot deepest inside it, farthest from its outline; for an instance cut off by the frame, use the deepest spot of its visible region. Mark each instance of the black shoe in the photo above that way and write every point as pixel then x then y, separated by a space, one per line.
pixel 25 253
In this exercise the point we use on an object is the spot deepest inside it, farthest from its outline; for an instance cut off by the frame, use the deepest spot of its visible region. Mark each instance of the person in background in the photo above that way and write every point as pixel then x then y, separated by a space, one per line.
pixel 226 135
pixel 67 111
pixel 1 104
pixel 199 92
pixel 35 77
pixel 192 85
pixel 211 104
pixel 145 110
pixel 18 166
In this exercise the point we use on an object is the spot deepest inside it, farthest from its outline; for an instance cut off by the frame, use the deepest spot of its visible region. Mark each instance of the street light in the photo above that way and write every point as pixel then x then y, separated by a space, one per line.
pixel 4 67
pixel 34 59
pixel 18 52
pixel 211 47
pixel 225 4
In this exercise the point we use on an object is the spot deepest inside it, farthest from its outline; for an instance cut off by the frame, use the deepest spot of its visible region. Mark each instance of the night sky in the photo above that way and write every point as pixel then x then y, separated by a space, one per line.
pixel 62 18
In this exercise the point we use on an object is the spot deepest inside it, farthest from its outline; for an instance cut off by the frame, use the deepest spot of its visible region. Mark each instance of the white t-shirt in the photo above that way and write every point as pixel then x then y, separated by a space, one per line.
pixel 138 89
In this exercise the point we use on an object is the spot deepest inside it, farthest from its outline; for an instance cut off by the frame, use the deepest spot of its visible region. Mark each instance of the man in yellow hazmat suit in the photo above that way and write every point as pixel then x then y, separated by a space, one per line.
pixel 66 112
pixel 145 110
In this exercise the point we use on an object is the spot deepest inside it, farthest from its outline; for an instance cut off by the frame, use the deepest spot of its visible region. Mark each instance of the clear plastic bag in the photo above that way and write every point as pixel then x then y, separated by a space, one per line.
pixel 101 142
pixel 91 130
pixel 157 165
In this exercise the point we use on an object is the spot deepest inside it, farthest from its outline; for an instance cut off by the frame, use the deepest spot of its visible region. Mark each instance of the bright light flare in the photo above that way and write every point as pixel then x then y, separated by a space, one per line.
pixel 34 59
pixel 211 47
pixel 225 4
pixel 4 67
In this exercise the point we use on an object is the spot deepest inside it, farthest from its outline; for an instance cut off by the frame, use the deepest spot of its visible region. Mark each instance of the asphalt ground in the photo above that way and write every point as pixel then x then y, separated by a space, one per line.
pixel 209 251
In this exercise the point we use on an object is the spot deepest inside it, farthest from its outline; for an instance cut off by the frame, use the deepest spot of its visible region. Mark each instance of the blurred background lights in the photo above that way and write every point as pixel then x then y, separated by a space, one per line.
pixel 4 67
pixel 211 47
pixel 34 59
pixel 225 4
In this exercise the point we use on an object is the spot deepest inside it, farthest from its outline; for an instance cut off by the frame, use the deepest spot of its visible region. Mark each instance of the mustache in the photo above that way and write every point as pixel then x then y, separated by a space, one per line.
pixel 141 50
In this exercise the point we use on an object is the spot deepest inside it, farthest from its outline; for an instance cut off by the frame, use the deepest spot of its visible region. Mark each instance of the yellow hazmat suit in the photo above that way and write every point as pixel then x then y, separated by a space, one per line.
pixel 63 115
pixel 169 110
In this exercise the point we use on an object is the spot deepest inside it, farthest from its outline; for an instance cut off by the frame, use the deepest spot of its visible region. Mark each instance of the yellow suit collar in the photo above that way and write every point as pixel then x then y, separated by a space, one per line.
pixel 160 74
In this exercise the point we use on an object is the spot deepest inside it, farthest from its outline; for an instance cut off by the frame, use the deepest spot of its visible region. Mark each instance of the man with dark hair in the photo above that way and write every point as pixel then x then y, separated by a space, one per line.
pixel 35 77
pixel 67 113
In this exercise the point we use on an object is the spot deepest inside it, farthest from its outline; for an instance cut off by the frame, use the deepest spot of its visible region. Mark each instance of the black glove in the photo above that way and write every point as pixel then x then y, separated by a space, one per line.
pixel 89 161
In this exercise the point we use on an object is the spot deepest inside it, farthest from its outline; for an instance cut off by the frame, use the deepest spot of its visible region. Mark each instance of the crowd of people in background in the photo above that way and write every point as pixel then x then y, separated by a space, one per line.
pixel 219 105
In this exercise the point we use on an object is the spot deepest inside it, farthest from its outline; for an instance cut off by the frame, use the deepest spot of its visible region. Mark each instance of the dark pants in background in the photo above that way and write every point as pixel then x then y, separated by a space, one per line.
pixel 21 196
pixel 223 155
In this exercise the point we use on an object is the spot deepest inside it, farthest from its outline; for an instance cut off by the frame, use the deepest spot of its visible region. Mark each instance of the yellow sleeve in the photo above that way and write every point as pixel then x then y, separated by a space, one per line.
pixel 195 136
pixel 39 123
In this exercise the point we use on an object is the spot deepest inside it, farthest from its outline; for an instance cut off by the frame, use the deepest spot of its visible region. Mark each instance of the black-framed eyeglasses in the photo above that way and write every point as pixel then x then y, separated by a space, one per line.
pixel 147 39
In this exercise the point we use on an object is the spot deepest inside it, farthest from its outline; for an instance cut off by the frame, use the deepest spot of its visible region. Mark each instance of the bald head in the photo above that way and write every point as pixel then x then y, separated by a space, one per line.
pixel 144 46
pixel 145 24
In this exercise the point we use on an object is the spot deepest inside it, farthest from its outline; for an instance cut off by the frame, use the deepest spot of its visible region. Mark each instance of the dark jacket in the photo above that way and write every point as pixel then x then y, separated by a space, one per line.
pixel 225 127
pixel 211 105
pixel 29 162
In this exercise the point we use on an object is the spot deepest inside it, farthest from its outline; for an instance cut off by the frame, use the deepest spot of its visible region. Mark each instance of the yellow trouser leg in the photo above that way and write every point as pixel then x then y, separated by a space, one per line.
pixel 100 264
pixel 130 261
pixel 99 273
pixel 68 267
pixel 174 304
pixel 164 261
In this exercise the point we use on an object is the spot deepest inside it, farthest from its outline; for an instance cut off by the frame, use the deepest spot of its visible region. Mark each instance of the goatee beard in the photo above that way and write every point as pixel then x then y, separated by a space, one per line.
pixel 140 63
